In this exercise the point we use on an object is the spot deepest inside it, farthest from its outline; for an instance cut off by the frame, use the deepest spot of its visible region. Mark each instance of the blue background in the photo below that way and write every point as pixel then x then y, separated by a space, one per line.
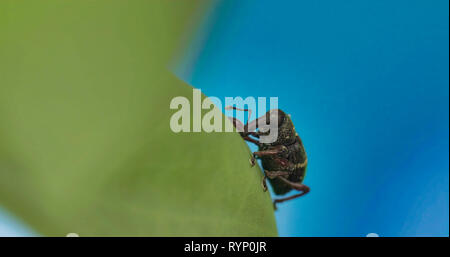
pixel 366 83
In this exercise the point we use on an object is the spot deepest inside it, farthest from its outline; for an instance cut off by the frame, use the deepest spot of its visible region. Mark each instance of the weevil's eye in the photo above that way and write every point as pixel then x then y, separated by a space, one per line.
pixel 281 116
pixel 276 113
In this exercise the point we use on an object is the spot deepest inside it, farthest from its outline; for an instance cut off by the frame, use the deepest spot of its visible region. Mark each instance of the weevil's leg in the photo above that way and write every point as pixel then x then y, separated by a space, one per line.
pixel 275 174
pixel 240 127
pixel 258 133
pixel 273 151
pixel 266 152
pixel 297 186
pixel 259 154
pixel 272 175
pixel 286 199
pixel 254 141
pixel 263 182
pixel 236 123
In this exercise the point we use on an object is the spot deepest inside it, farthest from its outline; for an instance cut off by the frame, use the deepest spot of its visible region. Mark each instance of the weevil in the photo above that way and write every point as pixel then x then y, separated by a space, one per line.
pixel 284 161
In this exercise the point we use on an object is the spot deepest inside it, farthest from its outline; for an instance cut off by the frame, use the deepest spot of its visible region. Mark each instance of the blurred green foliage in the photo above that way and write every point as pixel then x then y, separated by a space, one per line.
pixel 85 143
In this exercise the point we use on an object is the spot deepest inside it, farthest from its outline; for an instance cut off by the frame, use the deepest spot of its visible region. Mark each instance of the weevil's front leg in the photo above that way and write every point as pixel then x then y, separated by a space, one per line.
pixel 297 186
pixel 254 141
pixel 240 128
pixel 257 134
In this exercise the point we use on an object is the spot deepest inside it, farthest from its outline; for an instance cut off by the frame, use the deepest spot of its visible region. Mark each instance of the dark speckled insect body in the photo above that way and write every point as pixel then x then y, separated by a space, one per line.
pixel 284 161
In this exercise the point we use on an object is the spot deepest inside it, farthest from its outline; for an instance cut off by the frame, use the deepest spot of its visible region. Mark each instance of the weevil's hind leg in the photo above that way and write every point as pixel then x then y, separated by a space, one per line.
pixel 297 186
pixel 287 198
pixel 271 175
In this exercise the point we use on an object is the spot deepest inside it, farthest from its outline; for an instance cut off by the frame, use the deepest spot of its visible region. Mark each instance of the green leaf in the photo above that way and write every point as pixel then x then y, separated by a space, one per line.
pixel 85 142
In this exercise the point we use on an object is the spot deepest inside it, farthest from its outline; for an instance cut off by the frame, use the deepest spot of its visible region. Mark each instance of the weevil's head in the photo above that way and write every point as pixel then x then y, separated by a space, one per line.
pixel 281 128
pixel 286 130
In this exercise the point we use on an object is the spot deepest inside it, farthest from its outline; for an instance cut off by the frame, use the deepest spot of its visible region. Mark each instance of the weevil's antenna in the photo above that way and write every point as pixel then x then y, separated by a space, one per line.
pixel 229 107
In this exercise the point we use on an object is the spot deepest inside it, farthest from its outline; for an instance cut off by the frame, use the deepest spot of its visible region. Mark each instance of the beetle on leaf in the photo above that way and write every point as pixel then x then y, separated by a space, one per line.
pixel 283 160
